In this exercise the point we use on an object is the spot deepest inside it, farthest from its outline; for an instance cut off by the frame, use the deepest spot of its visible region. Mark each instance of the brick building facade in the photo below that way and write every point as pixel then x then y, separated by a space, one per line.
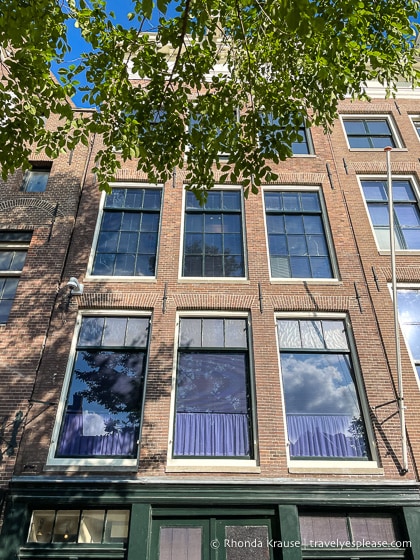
pixel 225 386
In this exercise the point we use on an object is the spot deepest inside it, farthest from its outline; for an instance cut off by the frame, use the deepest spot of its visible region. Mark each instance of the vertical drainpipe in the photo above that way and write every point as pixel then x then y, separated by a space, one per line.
pixel 400 397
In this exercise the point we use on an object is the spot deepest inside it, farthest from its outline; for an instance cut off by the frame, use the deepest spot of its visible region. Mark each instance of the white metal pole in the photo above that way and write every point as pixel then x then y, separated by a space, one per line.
pixel 400 397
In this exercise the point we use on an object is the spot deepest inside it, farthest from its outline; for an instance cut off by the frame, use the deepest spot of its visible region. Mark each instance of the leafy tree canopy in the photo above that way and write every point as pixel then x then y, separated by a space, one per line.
pixel 245 74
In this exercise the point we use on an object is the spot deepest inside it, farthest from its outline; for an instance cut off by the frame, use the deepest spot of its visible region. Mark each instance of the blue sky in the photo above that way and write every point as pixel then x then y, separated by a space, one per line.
pixel 120 8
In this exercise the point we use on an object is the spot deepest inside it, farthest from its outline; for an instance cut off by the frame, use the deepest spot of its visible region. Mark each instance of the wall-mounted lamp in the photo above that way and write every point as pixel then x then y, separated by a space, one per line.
pixel 76 288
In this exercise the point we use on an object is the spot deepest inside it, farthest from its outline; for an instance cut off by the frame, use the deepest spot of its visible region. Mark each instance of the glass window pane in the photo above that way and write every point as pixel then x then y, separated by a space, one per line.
pixel 289 333
pixel 213 333
pixel 300 267
pixel 66 526
pixel 402 191
pixel 312 335
pixel 116 526
pixel 373 528
pixel 278 245
pixel 280 267
pixel 335 335
pixel 91 526
pixel 232 223
pixel 231 200
pixel 235 333
pixel 5 308
pixel 273 201
pixel 104 265
pixel 360 142
pixel 324 528
pixel 294 223
pixel 412 337
pixel 8 290
pixel 152 199
pixel 248 533
pixel 310 202
pixel 354 127
pixel 193 266
pixel 409 305
pixel 291 201
pixel 322 409
pixel 41 526
pixel 190 333
pixel 412 238
pixel 214 200
pixel 124 265
pixel 213 223
pixel 275 224
pixel 379 214
pixel 232 244
pixel 6 258
pixel 137 332
pixel 131 221
pixel 408 215
pixel 114 331
pixel 37 181
pixel 108 242
pixel 91 331
pixel 378 126
pixel 317 245
pixel 375 190
pixel 321 267
pixel 297 245
pixel 313 224
pixel 180 543
pixel 134 198
pixel 213 266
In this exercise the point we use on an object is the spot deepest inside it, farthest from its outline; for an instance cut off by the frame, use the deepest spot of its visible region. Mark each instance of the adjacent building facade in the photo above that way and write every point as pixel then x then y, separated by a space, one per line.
pixel 214 382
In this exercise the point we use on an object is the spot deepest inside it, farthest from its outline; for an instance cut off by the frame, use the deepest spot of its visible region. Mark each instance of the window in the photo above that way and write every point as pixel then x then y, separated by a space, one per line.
pixel 212 404
pixel 79 526
pixel 416 124
pixel 406 213
pixel 128 234
pixel 346 531
pixel 323 413
pixel 213 240
pixel 36 179
pixel 13 249
pixel 296 235
pixel 104 399
pixel 303 143
pixel 409 317
pixel 369 133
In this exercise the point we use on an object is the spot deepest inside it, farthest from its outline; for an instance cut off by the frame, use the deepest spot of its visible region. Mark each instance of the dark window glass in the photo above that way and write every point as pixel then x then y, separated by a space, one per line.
pixel 13 250
pixel 102 415
pixel 212 391
pixel 406 213
pixel 128 237
pixel 36 179
pixel 368 133
pixel 296 235
pixel 322 406
pixel 213 240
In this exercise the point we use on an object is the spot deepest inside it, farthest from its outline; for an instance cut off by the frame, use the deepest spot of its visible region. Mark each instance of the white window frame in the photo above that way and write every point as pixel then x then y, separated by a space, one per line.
pixel 213 279
pixel 416 190
pixel 327 466
pixel 415 118
pixel 209 464
pixel 413 287
pixel 327 229
pixel 101 278
pixel 77 463
pixel 372 117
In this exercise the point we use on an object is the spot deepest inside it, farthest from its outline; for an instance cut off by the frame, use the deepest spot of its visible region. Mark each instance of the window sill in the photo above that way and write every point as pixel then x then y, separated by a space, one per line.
pixel 376 149
pixel 89 278
pixel 91 464
pixel 212 280
pixel 402 252
pixel 334 467
pixel 318 281
pixel 212 466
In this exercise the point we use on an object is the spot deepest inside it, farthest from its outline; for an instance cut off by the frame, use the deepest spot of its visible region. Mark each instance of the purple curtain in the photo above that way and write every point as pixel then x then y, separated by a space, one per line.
pixel 211 434
pixel 74 444
pixel 325 436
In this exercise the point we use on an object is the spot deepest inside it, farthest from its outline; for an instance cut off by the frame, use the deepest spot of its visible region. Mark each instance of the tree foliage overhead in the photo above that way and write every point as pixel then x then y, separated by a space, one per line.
pixel 218 76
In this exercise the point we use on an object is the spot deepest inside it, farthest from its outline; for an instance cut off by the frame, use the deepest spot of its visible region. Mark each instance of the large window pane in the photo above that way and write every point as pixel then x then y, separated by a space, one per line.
pixel 213 241
pixel 212 389
pixel 296 232
pixel 409 317
pixel 406 213
pixel 128 237
pixel 322 407
pixel 368 133
pixel 102 415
